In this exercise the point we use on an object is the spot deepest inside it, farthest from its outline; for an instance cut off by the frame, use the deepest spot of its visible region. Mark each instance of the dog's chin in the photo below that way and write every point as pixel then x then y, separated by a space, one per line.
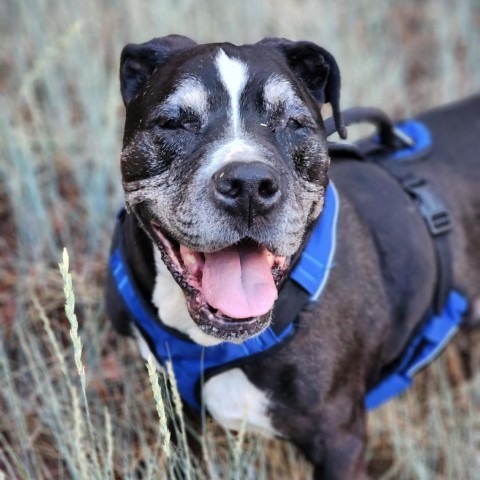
pixel 217 309
pixel 221 326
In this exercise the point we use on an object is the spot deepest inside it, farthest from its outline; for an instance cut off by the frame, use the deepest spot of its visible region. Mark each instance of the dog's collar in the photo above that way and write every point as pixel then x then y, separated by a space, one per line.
pixel 192 362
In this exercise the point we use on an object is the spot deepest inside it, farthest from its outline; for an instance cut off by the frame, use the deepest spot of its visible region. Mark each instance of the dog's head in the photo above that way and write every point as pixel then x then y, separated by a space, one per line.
pixel 224 164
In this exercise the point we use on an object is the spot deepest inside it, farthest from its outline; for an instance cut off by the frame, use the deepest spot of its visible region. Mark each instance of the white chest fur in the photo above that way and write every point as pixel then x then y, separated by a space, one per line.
pixel 235 403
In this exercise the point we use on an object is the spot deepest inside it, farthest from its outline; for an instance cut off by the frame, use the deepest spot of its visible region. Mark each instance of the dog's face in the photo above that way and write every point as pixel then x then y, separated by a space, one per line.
pixel 224 164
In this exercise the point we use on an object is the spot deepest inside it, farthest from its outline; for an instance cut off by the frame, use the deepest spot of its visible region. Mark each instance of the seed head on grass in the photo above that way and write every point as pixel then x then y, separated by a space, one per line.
pixel 157 395
pixel 71 316
pixel 77 351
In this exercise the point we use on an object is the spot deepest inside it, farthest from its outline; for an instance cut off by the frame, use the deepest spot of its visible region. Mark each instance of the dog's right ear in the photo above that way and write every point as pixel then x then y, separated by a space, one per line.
pixel 137 62
pixel 317 68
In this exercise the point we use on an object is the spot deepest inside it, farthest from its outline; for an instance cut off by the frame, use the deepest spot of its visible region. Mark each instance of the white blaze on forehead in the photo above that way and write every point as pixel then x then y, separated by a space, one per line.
pixel 234 75
pixel 190 93
pixel 280 90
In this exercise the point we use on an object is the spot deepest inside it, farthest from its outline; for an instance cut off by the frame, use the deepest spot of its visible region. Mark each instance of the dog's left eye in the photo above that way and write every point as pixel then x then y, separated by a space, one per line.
pixel 294 124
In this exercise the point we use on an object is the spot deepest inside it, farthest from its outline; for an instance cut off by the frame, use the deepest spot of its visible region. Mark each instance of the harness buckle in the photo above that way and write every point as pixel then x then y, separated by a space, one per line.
pixel 434 211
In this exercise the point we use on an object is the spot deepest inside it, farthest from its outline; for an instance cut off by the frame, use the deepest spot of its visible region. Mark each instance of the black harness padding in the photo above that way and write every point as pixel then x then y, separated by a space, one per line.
pixel 381 149
pixel 289 305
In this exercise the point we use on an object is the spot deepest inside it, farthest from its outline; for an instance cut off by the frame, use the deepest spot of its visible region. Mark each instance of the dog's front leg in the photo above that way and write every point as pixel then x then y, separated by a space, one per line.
pixel 337 446
pixel 344 458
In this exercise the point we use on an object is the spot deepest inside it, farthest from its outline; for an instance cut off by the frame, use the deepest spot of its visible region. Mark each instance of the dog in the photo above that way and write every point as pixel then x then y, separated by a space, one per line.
pixel 226 169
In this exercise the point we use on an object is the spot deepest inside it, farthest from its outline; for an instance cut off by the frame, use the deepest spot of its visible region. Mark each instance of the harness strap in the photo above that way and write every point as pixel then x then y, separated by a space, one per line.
pixel 288 305
pixel 310 274
pixel 422 350
pixel 439 223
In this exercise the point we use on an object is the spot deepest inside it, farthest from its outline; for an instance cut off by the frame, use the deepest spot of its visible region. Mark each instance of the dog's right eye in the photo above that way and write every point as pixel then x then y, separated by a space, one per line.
pixel 173 124
pixel 187 123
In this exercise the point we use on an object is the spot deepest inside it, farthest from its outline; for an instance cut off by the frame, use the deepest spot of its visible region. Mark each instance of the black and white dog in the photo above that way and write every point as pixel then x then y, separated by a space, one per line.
pixel 225 168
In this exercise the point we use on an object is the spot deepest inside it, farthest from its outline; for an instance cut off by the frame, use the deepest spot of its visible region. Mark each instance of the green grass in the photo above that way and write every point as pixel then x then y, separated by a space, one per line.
pixel 61 120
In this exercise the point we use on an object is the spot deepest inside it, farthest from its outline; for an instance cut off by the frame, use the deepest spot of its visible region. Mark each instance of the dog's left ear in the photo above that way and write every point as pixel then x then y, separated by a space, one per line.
pixel 137 62
pixel 319 71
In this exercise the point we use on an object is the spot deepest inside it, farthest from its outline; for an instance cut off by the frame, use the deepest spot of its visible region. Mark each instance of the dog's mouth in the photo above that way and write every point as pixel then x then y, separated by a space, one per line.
pixel 231 292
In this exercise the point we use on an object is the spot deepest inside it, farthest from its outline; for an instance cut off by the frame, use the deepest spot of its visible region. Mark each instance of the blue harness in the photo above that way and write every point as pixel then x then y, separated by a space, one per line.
pixel 192 363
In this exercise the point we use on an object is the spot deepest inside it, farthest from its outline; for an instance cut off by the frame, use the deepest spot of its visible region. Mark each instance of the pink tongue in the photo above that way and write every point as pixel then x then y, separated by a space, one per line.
pixel 238 281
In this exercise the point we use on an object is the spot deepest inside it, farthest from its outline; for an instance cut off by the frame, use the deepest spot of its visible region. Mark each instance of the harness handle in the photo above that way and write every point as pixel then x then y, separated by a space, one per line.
pixel 389 135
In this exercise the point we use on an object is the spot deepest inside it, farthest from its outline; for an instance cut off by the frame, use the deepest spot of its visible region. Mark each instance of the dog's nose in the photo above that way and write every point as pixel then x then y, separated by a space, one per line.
pixel 247 188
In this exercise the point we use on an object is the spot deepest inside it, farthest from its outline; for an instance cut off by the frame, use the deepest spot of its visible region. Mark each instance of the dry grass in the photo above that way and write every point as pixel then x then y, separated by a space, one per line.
pixel 90 412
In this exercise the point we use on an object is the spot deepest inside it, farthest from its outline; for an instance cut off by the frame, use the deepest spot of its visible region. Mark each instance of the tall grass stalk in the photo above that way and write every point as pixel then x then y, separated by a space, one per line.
pixel 238 448
pixel 72 318
pixel 162 417
pixel 77 350
pixel 52 340
pixel 178 404
pixel 108 471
